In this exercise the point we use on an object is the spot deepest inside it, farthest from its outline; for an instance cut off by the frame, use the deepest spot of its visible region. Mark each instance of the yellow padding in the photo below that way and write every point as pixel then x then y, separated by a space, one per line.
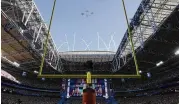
pixel 88 80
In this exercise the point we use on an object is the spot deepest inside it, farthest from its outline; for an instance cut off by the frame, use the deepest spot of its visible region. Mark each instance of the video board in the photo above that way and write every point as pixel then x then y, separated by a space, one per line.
pixel 77 85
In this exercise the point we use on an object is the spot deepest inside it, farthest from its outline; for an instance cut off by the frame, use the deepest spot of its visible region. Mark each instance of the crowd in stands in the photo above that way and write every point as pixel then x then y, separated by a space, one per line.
pixel 19 99
pixel 37 82
pixel 157 99
pixel 25 92
pixel 22 96
pixel 131 84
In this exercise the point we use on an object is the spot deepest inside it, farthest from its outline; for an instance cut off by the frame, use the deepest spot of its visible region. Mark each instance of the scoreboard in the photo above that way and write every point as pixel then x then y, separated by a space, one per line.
pixel 76 86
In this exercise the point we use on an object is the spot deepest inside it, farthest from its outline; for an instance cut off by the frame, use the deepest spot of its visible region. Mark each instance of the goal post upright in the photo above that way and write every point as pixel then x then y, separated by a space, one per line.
pixel 137 75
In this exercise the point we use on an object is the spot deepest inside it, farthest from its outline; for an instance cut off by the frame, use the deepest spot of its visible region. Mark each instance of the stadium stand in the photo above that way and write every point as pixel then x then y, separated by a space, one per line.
pixel 157 99
pixel 19 99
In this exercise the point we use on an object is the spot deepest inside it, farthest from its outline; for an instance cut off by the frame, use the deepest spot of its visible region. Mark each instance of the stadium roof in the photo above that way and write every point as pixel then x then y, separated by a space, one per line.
pixel 87 53
pixel 83 56
pixel 24 32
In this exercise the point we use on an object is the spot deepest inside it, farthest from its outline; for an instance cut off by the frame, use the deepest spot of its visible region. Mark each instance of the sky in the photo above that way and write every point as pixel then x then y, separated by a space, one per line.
pixel 101 30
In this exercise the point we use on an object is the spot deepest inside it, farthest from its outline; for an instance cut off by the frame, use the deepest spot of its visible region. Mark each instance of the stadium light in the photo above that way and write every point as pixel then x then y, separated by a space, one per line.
pixel 10 62
pixel 177 52
pixel 24 73
pixel 148 75
pixel 36 72
pixel 16 64
pixel 159 63
pixel 43 79
pixel 123 80
pixel 140 71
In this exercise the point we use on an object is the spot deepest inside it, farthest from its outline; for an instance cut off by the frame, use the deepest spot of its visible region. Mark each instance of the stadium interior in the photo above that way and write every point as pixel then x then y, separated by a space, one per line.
pixel 155 36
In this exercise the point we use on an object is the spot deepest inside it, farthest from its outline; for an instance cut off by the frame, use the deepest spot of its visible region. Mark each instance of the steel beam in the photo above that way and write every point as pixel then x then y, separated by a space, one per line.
pixel 29 15
pixel 38 32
